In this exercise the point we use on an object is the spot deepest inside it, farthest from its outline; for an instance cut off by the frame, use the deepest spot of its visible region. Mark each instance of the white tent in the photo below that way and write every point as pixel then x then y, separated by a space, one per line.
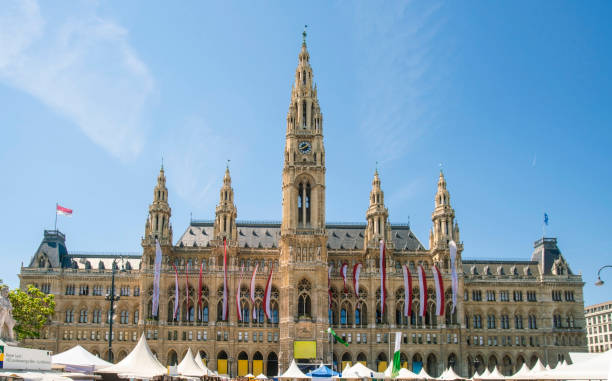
pixel 261 376
pixel 582 356
pixel 483 375
pixel 293 372
pixel 139 364
pixel 405 374
pixel 77 357
pixel 198 360
pixel 357 371
pixel 249 375
pixel 522 374
pixel 449 374
pixel 189 367
pixel 494 375
pixel 597 368
pixel 423 375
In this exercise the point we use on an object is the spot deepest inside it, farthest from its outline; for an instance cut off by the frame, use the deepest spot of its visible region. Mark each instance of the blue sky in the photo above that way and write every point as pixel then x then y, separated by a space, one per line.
pixel 514 98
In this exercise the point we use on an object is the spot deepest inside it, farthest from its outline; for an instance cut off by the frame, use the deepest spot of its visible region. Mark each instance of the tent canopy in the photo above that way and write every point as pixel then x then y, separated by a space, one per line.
pixel 595 368
pixel 405 374
pixel 198 360
pixel 189 367
pixel 139 363
pixel 357 371
pixel 78 356
pixel 323 371
pixel 293 372
pixel 449 374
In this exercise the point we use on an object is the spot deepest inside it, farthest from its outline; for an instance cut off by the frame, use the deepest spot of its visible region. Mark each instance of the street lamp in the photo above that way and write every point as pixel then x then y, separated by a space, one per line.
pixel 112 298
pixel 599 281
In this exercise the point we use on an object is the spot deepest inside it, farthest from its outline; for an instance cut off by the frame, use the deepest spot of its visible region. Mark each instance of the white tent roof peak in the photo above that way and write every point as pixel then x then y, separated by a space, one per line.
pixel 189 367
pixel 449 374
pixel 405 374
pixel 423 374
pixel 79 356
pixel 198 360
pixel 139 363
pixel 293 372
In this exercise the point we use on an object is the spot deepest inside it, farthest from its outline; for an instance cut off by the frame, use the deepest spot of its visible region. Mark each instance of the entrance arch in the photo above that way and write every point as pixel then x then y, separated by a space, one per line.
pixel 243 364
pixel 381 362
pixel 272 365
pixel 222 363
pixel 432 365
pixel 347 359
pixel 417 363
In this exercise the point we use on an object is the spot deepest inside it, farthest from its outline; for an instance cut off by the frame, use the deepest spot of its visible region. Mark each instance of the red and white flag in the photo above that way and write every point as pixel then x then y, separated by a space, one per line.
pixel 253 291
pixel 454 281
pixel 423 290
pixel 225 304
pixel 356 273
pixel 238 309
pixel 343 270
pixel 200 291
pixel 266 300
pixel 407 291
pixel 383 278
pixel 176 293
pixel 187 290
pixel 439 291
pixel 60 210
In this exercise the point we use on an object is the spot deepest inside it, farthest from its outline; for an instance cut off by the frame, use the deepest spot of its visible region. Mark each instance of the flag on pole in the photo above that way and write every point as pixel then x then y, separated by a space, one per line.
pixel 156 278
pixel 238 309
pixel 267 296
pixel 396 355
pixel 176 293
pixel 200 291
pixel 343 272
pixel 60 210
pixel 454 281
pixel 329 293
pixel 356 273
pixel 187 290
pixel 407 291
pixel 253 291
pixel 439 290
pixel 338 338
pixel 545 218
pixel 225 305
pixel 423 290
pixel 383 278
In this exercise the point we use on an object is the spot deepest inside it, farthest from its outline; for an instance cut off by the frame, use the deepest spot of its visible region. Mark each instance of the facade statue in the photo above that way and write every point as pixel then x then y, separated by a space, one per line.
pixel 7 322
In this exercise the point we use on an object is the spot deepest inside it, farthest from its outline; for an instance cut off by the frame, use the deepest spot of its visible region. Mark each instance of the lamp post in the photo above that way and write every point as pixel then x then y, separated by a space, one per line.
pixel 112 298
pixel 599 281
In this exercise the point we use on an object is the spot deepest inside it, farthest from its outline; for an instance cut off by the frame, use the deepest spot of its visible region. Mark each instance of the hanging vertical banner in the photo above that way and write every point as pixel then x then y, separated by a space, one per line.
pixel 176 293
pixel 187 290
pixel 238 309
pixel 225 305
pixel 200 291
pixel 356 273
pixel 423 290
pixel 267 296
pixel 454 281
pixel 343 270
pixel 253 291
pixel 439 290
pixel 329 293
pixel 156 278
pixel 383 278
pixel 407 291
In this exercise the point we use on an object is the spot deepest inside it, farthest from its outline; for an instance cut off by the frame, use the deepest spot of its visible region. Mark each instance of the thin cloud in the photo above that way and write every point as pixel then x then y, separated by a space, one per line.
pixel 397 74
pixel 82 67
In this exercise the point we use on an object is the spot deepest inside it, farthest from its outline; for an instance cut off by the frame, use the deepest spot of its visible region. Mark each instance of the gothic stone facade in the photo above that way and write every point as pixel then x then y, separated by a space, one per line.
pixel 508 313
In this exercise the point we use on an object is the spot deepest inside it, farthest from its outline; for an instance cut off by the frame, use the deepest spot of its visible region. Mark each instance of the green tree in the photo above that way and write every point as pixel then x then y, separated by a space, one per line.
pixel 32 309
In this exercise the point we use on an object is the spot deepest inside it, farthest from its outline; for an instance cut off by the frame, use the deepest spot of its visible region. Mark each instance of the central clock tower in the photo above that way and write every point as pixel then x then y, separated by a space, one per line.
pixel 303 242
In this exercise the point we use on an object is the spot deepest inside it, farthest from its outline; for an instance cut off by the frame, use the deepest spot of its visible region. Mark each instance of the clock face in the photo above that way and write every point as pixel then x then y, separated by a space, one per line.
pixel 304 147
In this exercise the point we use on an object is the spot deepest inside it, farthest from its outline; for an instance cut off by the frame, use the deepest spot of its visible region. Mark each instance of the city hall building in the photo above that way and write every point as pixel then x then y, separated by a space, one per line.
pixel 508 312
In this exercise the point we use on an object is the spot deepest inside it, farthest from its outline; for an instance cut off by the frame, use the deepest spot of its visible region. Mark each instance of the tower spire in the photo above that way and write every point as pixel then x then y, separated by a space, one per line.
pixel 377 215
pixel 443 217
pixel 158 224
pixel 226 213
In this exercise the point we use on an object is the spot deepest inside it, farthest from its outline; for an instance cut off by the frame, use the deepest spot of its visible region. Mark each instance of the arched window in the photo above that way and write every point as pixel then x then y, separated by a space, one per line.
pixel 304 309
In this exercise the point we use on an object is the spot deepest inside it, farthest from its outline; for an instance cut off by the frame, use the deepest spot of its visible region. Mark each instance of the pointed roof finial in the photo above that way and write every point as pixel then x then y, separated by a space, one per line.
pixel 227 164
pixel 162 163
pixel 376 168
pixel 441 167
pixel 304 35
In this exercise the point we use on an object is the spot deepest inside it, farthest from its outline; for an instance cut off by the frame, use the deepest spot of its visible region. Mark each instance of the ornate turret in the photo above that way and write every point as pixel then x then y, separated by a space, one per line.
pixel 158 224
pixel 443 218
pixel 377 216
pixel 225 214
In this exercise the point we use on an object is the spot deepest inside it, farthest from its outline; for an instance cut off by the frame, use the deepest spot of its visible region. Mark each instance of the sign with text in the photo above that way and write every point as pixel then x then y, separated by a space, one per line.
pixel 24 358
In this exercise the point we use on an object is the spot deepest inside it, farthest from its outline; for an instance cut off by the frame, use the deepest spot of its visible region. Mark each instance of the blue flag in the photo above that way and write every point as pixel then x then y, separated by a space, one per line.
pixel 546 219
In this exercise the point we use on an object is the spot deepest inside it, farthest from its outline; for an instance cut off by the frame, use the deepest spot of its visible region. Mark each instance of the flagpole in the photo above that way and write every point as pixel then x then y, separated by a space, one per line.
pixel 55 227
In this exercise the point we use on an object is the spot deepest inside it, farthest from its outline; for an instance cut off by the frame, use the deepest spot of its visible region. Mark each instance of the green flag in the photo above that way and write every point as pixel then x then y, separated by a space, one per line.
pixel 329 330
pixel 396 355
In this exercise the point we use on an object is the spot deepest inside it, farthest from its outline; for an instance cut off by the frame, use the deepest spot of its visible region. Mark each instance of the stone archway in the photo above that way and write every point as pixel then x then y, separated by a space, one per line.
pixel 271 365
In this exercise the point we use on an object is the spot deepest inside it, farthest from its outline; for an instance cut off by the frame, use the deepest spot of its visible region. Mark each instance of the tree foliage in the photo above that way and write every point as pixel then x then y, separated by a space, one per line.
pixel 32 309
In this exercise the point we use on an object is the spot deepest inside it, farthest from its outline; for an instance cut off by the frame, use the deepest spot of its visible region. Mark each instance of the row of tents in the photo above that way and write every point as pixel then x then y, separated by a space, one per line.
pixel 142 364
